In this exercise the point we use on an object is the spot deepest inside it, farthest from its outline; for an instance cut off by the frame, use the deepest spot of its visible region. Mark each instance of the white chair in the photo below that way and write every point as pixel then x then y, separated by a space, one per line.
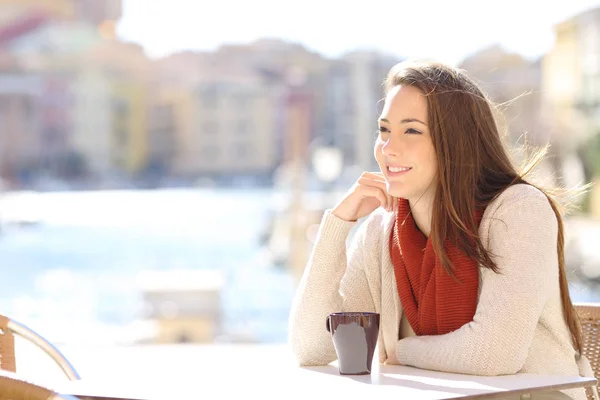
pixel 589 316
pixel 11 327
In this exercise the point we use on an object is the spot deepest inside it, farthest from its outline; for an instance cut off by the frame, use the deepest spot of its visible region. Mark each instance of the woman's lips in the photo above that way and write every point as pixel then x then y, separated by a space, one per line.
pixel 397 172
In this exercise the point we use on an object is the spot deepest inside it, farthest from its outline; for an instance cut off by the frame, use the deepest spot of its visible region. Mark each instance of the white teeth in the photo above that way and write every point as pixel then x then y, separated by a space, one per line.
pixel 398 169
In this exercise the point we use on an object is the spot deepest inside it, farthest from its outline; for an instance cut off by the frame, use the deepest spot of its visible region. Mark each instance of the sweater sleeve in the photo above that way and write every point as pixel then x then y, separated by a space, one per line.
pixel 333 281
pixel 523 243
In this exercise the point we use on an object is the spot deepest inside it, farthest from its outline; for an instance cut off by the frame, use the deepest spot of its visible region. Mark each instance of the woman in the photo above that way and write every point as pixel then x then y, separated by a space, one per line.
pixel 462 257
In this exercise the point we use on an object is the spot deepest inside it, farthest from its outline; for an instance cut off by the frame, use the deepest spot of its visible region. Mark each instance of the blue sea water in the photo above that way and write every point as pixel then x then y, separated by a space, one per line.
pixel 73 274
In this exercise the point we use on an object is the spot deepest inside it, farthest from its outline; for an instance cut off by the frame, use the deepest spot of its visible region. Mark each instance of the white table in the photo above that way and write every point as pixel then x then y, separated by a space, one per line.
pixel 268 371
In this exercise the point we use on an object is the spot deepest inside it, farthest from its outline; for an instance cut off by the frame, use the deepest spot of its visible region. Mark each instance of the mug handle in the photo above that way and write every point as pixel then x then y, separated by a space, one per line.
pixel 328 324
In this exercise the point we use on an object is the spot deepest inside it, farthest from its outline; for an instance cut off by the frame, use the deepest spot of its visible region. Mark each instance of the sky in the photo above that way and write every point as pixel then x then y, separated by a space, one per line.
pixel 446 31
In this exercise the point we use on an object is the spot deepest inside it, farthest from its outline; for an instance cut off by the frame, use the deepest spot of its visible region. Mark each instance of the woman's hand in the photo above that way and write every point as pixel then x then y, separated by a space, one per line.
pixel 364 197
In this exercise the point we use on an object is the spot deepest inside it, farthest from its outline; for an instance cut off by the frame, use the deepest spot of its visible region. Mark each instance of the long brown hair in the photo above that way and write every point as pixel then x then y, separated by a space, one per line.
pixel 474 166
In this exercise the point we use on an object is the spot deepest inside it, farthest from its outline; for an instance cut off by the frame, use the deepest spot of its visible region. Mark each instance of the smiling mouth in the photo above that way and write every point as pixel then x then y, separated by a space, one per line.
pixel 395 171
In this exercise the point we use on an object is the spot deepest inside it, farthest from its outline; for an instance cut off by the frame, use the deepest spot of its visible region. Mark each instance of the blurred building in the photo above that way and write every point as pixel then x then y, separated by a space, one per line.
pixel 171 113
pixel 234 124
pixel 11 10
pixel 294 78
pixel 95 106
pixel 211 117
pixel 339 128
pixel 355 92
pixel 91 11
pixel 31 35
pixel 102 13
pixel 168 127
pixel 572 76
pixel 20 149
pixel 222 114
pixel 90 111
pixel 124 68
pixel 514 84
pixel 571 89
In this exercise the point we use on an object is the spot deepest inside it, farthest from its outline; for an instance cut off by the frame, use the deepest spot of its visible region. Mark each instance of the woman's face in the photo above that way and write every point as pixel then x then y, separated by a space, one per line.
pixel 404 147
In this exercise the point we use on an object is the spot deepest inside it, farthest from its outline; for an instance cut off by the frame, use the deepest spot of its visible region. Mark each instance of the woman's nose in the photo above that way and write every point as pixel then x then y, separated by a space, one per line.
pixel 391 147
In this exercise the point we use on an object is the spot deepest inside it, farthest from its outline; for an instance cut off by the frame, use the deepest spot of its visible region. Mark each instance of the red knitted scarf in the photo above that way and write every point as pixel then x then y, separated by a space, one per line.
pixel 434 302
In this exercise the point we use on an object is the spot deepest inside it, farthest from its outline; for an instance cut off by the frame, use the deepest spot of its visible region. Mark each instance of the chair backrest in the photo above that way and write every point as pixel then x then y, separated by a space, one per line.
pixel 10 327
pixel 589 315
pixel 7 346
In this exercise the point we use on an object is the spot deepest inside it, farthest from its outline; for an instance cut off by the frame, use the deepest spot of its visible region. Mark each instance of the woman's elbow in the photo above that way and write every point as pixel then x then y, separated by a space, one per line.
pixel 500 363
pixel 313 355
pixel 311 358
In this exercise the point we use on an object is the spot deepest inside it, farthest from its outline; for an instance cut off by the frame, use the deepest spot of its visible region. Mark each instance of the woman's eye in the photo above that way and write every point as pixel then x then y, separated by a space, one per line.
pixel 383 129
pixel 413 131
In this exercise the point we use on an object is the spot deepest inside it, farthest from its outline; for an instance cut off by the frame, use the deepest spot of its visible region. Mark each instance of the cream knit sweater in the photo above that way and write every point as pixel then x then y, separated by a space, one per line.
pixel 518 325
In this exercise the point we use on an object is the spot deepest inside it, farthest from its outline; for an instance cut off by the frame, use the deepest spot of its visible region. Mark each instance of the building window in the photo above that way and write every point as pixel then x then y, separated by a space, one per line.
pixel 242 150
pixel 209 127
pixel 244 127
pixel 120 111
pixel 242 100
pixel 209 97
pixel 163 115
pixel 122 137
pixel 211 153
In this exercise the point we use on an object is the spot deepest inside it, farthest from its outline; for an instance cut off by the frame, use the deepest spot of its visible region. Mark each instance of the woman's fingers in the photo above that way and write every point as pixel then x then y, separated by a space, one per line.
pixel 376 192
pixel 374 175
pixel 377 180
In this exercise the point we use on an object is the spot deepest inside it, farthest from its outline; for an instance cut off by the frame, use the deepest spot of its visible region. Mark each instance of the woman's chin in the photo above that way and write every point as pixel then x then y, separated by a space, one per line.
pixel 395 191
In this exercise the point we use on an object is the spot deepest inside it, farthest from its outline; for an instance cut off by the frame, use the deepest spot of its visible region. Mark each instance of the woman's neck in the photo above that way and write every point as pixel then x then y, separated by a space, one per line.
pixel 422 212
